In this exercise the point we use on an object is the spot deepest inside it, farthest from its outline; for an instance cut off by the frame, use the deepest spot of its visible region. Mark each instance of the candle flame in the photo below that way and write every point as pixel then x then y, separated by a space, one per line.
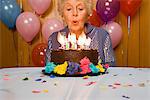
pixel 72 43
pixel 82 39
pixel 88 41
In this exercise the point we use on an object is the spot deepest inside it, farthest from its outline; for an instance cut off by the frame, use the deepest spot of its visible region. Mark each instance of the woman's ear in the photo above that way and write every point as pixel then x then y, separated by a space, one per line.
pixel 63 18
pixel 64 22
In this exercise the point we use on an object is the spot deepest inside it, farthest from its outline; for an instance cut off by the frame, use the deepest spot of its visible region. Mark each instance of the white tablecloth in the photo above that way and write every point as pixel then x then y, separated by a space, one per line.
pixel 119 84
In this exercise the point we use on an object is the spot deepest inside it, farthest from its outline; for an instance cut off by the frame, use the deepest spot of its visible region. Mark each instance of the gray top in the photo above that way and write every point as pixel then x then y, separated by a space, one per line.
pixel 100 40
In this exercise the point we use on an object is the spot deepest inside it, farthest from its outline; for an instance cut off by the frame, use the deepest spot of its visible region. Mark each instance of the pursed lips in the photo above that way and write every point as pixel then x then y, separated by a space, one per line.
pixel 75 22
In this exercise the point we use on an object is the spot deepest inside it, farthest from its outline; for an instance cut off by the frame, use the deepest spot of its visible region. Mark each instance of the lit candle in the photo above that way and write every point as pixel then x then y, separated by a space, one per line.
pixel 87 43
pixel 81 41
pixel 73 41
pixel 67 44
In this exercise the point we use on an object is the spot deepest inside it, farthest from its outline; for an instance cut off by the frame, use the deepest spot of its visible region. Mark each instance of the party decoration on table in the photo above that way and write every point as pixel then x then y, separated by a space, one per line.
pixel 110 85
pixel 129 9
pixel 127 85
pixel 141 84
pixel 36 91
pixel 103 87
pixel 107 9
pixel 61 69
pixel 115 31
pixel 39 6
pixel 25 79
pixel 50 26
pixel 55 84
pixel 45 91
pixel 130 74
pixel 52 76
pixel 28 25
pixel 38 54
pixel 43 81
pixel 41 75
pixel 115 75
pixel 94 19
pixel 84 64
pixel 90 83
pixel 117 83
pixel 38 79
pixel 6 75
pixel 6 78
pixel 86 77
pixel 126 97
pixel 9 11
pixel 72 69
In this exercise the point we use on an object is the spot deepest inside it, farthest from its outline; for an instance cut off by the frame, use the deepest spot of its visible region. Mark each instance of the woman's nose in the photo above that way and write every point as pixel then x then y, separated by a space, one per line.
pixel 75 13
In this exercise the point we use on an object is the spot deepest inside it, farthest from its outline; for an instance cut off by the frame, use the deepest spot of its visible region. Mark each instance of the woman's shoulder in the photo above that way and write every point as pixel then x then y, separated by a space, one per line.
pixel 54 34
pixel 94 29
pixel 102 31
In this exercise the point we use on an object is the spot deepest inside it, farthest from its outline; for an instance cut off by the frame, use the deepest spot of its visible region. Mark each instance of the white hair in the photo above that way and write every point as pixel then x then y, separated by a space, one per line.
pixel 88 3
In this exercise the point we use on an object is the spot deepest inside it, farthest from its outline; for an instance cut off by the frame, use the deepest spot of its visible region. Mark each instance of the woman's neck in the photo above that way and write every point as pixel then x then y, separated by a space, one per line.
pixel 78 33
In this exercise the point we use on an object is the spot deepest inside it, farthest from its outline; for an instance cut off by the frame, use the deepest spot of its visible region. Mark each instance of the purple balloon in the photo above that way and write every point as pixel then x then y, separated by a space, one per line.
pixel 107 9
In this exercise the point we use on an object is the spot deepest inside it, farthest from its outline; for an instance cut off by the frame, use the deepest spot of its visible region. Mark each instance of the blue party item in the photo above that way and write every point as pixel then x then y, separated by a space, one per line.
pixel 9 11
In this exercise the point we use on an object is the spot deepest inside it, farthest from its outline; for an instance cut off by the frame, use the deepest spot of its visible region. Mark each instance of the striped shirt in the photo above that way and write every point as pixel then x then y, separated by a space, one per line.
pixel 100 40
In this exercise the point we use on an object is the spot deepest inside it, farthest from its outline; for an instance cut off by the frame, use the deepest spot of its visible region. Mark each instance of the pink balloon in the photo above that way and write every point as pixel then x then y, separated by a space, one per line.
pixel 39 6
pixel 28 25
pixel 50 26
pixel 115 31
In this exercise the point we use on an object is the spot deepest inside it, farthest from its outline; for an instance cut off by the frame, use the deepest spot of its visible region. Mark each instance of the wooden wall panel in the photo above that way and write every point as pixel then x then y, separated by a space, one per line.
pixel 121 50
pixel 133 50
pixel 145 33
pixel 133 42
pixel 8 49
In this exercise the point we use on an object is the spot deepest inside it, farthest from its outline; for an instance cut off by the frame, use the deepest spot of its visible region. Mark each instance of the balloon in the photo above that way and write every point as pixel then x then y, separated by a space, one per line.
pixel 28 25
pixel 94 19
pixel 9 11
pixel 38 54
pixel 107 9
pixel 129 7
pixel 115 31
pixel 39 6
pixel 50 26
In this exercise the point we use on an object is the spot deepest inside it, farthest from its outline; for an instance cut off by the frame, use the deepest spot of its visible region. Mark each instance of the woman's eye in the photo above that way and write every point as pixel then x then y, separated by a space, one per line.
pixel 68 9
pixel 80 9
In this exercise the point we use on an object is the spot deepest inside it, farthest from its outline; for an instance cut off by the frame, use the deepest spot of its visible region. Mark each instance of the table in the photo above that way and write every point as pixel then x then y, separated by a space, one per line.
pixel 119 84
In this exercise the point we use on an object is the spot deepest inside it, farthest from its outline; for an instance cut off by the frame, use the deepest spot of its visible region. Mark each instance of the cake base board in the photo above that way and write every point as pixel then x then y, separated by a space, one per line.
pixel 74 75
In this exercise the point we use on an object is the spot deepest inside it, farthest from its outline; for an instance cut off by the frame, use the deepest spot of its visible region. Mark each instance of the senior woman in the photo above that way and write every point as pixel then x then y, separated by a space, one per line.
pixel 75 14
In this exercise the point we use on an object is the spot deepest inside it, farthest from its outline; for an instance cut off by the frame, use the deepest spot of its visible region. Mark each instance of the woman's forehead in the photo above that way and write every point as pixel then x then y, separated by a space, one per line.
pixel 74 1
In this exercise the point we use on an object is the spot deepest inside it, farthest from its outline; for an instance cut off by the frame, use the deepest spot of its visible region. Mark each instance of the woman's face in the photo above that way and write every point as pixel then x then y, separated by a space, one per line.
pixel 75 15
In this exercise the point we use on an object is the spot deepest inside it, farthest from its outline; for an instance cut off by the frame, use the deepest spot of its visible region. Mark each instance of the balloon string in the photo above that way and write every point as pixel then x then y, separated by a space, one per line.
pixel 41 39
pixel 16 50
pixel 40 36
pixel 129 31
pixel 129 25
pixel 21 5
pixel 29 54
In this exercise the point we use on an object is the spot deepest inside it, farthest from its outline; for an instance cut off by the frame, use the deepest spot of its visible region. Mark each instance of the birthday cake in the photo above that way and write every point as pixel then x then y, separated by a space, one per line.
pixel 74 63
pixel 74 58
pixel 60 56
